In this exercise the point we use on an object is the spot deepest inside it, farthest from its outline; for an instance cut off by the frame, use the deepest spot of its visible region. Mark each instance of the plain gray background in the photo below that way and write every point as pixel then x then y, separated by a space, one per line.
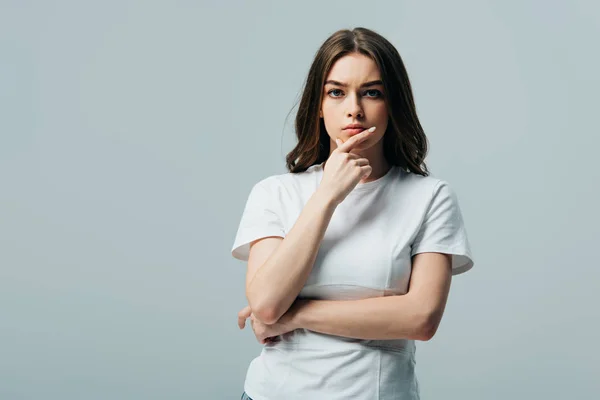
pixel 132 132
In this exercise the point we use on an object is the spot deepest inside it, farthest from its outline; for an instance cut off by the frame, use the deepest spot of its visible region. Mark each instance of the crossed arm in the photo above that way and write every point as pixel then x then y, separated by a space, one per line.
pixel 415 315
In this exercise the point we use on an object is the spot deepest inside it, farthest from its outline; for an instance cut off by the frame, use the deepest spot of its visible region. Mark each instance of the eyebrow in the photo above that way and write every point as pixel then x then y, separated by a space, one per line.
pixel 372 83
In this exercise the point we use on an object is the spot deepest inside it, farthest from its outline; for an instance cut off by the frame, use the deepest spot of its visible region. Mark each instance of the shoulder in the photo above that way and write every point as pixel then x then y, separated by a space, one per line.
pixel 421 193
pixel 424 186
pixel 289 182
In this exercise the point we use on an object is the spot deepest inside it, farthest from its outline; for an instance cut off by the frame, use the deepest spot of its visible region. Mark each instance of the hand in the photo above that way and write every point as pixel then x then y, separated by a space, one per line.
pixel 343 169
pixel 266 333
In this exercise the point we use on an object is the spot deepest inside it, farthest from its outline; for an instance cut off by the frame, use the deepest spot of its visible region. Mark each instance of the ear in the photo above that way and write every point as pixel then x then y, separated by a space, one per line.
pixel 320 114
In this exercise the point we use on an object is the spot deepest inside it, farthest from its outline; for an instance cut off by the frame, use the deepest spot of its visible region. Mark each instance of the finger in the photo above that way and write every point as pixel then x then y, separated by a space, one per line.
pixel 245 312
pixel 366 170
pixel 361 162
pixel 340 142
pixel 243 315
pixel 356 139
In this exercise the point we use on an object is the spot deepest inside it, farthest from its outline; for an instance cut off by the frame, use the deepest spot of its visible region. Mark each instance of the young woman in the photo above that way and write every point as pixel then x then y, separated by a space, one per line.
pixel 350 254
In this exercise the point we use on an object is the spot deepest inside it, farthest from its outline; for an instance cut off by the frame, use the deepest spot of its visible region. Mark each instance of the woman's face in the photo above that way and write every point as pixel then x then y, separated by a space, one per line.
pixel 353 94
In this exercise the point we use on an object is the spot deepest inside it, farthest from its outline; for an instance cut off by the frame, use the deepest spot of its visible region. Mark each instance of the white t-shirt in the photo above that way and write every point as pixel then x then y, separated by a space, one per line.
pixel 366 252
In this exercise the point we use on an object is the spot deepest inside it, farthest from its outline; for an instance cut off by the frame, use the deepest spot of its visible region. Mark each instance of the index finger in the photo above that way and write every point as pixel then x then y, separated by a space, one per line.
pixel 356 139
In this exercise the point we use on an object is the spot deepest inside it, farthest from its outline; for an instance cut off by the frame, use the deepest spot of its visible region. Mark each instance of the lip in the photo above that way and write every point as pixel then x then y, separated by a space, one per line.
pixel 353 131
pixel 354 126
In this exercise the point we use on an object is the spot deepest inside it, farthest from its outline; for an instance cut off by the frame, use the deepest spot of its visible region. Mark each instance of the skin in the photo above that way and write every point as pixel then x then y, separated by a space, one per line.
pixel 415 315
pixel 354 103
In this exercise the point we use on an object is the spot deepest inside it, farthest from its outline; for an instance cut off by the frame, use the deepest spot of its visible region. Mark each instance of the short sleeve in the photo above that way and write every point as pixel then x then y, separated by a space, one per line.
pixel 443 230
pixel 261 218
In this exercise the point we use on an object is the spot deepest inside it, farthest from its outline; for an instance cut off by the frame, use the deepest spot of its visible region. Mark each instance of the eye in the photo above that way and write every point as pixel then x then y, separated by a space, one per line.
pixel 377 93
pixel 374 93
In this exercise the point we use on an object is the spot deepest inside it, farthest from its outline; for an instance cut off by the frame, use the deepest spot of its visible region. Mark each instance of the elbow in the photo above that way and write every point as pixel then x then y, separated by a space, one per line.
pixel 262 310
pixel 426 333
pixel 428 326
pixel 266 315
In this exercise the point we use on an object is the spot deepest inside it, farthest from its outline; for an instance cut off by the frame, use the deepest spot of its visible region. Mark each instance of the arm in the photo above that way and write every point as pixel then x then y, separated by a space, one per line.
pixel 270 288
pixel 415 315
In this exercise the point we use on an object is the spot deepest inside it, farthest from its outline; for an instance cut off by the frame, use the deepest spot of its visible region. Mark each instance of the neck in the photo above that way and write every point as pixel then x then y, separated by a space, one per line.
pixel 380 167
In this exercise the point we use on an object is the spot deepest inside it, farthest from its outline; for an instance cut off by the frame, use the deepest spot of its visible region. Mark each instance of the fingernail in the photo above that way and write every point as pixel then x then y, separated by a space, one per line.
pixel 372 129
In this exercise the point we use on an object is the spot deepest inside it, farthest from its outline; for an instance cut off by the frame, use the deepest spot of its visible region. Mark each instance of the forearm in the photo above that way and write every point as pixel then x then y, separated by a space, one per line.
pixel 380 318
pixel 280 279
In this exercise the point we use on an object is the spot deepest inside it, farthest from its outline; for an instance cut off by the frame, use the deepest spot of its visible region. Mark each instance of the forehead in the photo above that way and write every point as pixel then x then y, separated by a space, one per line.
pixel 354 69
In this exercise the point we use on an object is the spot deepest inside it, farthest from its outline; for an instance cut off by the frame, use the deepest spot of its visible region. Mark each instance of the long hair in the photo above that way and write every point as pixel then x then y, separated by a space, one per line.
pixel 404 141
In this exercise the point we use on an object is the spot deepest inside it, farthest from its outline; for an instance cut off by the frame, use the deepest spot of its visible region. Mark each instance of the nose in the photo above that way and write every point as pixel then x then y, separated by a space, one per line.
pixel 354 107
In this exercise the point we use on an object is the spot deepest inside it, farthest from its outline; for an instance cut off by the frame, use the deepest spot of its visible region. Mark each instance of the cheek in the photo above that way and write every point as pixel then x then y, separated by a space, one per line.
pixel 378 112
pixel 331 116
pixel 328 109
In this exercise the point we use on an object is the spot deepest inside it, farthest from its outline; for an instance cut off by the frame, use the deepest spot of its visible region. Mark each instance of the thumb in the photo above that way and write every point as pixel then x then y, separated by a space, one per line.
pixel 245 313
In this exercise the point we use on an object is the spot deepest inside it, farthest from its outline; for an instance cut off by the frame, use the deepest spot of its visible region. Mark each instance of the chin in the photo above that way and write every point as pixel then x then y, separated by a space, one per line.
pixel 345 136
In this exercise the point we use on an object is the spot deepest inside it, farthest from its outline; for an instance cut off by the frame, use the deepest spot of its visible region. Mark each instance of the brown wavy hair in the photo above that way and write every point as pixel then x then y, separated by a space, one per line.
pixel 404 142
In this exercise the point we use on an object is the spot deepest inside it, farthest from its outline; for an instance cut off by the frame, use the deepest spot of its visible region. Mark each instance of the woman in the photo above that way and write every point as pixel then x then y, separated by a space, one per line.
pixel 350 254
